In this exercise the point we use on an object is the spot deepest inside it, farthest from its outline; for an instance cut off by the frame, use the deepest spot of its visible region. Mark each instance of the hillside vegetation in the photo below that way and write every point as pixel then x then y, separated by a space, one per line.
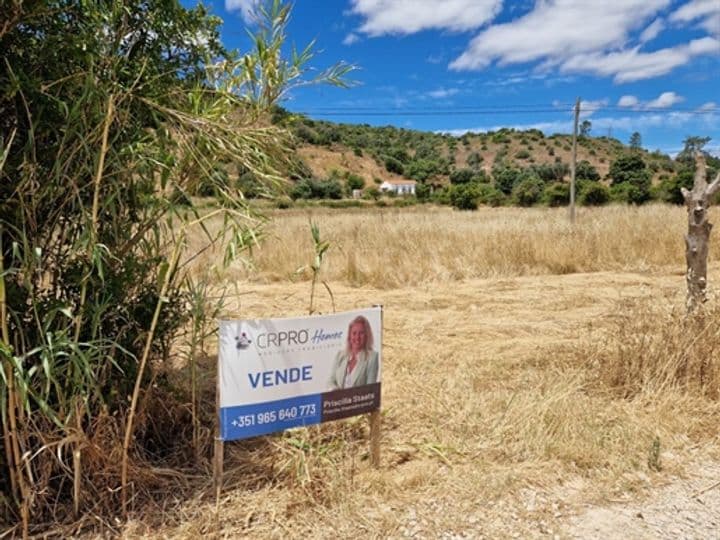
pixel 507 166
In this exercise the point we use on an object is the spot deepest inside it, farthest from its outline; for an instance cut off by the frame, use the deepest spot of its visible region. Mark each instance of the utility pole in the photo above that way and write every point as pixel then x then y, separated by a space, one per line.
pixel 573 162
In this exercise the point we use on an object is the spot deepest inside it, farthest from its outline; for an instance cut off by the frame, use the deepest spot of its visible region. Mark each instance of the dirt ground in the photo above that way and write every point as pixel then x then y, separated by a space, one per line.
pixel 442 475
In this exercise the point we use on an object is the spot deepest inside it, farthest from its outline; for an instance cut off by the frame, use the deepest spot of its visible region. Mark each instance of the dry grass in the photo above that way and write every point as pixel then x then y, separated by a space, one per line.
pixel 391 248
pixel 508 399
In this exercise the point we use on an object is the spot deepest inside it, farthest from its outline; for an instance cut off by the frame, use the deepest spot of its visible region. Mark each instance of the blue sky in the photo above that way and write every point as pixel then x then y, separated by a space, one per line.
pixel 651 66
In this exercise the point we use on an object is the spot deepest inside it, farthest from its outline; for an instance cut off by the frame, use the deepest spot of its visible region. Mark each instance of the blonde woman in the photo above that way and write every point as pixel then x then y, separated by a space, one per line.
pixel 357 365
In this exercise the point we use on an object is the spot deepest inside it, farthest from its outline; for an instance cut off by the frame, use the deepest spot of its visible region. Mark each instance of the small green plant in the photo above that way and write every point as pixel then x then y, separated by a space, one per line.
pixel 320 246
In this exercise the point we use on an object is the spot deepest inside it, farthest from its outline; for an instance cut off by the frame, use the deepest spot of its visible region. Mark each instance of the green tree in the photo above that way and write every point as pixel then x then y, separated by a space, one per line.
pixel 585 127
pixel 506 177
pixel 692 145
pixel 585 171
pixel 635 141
pixel 630 179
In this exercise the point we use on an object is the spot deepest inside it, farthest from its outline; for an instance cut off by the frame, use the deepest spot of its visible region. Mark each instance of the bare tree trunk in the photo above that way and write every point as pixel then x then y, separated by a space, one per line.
pixel 696 241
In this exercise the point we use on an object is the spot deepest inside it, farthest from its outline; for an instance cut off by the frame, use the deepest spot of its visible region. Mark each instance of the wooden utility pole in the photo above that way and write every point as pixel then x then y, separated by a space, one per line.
pixel 697 239
pixel 573 162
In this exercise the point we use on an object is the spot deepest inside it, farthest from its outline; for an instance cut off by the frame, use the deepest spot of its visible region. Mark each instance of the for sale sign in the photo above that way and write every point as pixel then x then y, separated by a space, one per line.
pixel 275 374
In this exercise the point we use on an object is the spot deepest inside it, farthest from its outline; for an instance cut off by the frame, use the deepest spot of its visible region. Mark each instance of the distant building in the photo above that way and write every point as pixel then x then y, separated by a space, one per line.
pixel 399 187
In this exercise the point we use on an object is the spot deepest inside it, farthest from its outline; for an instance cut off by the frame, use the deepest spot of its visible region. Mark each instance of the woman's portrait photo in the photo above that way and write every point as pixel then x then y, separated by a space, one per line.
pixel 357 364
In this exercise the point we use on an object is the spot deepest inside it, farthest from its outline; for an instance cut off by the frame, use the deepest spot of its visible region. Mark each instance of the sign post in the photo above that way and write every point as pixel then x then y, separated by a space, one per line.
pixel 276 374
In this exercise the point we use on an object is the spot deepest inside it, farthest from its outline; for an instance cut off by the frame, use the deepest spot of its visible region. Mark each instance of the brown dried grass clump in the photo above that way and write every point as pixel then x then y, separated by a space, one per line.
pixel 653 349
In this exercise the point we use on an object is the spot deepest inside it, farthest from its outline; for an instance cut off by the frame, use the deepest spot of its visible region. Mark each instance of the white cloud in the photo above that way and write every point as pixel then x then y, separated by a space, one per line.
pixel 710 106
pixel 557 29
pixel 410 16
pixel 664 100
pixel 245 7
pixel 633 65
pixel 587 108
pixel 652 31
pixel 434 59
pixel 351 38
pixel 628 101
pixel 706 10
pixel 441 93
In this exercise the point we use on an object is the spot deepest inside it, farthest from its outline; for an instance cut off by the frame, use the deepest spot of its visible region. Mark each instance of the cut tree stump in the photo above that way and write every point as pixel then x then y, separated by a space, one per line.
pixel 697 239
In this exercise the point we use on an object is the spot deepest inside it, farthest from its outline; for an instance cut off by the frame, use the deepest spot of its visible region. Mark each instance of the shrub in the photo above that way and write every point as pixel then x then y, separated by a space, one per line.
pixel 593 193
pixel 422 192
pixel 421 169
pixel 522 154
pixel 629 193
pixel 586 171
pixel 474 160
pixel 354 181
pixel 506 178
pixel 442 195
pixel 528 191
pixel 464 196
pixel 669 188
pixel 461 176
pixel 394 165
pixel 556 194
pixel 302 190
pixel 248 184
pixel 283 203
pixel 490 195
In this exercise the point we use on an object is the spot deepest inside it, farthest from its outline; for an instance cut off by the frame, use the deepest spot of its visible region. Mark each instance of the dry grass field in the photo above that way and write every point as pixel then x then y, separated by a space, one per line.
pixel 530 369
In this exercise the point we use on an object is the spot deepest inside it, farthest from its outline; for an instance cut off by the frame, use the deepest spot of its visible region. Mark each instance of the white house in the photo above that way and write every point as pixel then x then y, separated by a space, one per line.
pixel 399 187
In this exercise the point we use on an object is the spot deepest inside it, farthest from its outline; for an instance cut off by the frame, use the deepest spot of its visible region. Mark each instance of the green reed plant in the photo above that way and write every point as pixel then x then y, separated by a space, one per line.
pixel 110 125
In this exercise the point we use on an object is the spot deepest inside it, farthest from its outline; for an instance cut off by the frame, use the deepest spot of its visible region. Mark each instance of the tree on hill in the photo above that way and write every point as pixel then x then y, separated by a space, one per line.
pixel 630 179
pixel 692 145
pixel 635 141
pixel 585 128
pixel 585 171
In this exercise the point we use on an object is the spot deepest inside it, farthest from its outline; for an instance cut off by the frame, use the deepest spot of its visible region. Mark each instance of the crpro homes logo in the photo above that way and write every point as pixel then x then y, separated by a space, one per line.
pixel 304 336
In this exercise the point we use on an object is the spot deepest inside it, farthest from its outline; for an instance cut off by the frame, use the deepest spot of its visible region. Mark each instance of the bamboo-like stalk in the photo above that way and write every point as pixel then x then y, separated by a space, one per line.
pixel 141 370
pixel 5 334
pixel 77 464
pixel 96 204
pixel 193 406
pixel 11 435
pixel 7 433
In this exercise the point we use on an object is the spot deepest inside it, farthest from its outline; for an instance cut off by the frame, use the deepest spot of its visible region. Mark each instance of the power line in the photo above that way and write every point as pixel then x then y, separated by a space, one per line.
pixel 487 110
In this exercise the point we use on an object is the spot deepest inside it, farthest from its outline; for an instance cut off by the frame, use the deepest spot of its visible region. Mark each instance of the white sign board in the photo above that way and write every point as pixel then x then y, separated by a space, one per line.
pixel 276 374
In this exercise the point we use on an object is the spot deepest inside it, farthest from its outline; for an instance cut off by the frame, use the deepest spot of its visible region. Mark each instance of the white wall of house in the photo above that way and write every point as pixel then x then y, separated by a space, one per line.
pixel 399 189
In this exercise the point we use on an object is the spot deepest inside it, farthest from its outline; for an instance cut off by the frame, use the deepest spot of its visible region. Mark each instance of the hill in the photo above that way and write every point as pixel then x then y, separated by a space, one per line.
pixel 501 167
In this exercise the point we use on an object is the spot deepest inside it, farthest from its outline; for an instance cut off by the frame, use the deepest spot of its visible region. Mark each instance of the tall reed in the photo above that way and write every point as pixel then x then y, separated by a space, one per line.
pixel 97 177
